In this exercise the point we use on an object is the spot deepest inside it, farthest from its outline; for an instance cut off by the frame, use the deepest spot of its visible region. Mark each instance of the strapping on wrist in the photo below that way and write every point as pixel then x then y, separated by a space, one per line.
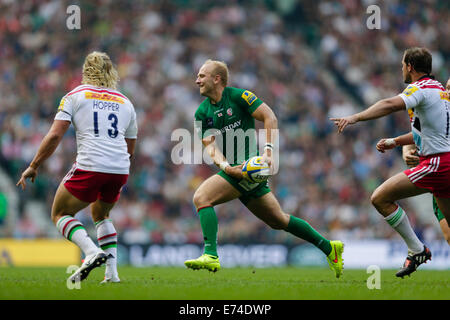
pixel 223 165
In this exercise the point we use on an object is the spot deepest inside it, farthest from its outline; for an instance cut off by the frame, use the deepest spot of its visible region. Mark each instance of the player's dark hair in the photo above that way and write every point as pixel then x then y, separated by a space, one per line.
pixel 419 58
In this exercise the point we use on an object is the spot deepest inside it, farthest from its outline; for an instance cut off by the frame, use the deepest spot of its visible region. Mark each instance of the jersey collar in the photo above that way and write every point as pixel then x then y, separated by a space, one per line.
pixel 425 76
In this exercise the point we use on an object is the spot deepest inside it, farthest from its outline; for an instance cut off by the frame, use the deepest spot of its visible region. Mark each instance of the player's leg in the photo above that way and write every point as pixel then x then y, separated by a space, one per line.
pixel 445 229
pixel 384 200
pixel 213 191
pixel 442 210
pixel 64 208
pixel 109 193
pixel 268 209
pixel 106 237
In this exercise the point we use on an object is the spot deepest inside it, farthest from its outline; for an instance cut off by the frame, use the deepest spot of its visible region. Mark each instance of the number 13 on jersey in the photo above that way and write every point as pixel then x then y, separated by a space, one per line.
pixel 113 122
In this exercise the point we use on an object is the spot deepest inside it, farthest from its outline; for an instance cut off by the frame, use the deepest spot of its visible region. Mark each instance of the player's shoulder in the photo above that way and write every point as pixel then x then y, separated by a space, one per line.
pixel 93 92
pixel 235 92
pixel 427 83
pixel 78 89
pixel 242 95
pixel 203 106
pixel 423 86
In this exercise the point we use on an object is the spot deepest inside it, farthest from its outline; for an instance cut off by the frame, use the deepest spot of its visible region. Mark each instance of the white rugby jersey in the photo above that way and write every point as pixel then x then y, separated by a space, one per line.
pixel 102 119
pixel 428 108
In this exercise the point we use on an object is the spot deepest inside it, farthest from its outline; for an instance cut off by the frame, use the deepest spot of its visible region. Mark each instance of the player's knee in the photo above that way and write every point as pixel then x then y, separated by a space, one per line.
pixel 274 224
pixel 98 213
pixel 279 223
pixel 200 200
pixel 56 215
pixel 377 199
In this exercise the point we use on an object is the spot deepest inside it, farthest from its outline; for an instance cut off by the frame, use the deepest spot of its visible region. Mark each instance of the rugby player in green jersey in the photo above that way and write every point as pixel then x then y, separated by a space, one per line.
pixel 225 114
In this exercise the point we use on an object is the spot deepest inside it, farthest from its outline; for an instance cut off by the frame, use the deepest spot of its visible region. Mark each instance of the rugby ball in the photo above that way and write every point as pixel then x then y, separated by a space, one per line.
pixel 255 170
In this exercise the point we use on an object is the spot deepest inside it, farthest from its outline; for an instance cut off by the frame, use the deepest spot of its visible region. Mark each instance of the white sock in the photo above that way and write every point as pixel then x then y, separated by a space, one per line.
pixel 74 231
pixel 107 240
pixel 400 222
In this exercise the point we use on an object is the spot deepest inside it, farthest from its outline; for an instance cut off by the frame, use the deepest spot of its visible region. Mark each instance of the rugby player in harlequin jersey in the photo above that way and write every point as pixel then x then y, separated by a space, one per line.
pixel 428 107
pixel 226 115
pixel 106 133
pixel 412 159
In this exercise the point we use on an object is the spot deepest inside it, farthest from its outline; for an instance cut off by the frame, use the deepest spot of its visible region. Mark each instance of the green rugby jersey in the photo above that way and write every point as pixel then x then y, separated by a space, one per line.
pixel 231 122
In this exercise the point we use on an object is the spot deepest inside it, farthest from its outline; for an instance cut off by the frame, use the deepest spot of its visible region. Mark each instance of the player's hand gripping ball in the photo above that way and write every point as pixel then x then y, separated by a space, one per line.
pixel 255 170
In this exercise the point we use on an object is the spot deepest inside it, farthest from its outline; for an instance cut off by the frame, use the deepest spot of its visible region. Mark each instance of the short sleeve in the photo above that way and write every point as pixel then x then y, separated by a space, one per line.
pixel 132 130
pixel 200 124
pixel 65 109
pixel 246 100
pixel 412 96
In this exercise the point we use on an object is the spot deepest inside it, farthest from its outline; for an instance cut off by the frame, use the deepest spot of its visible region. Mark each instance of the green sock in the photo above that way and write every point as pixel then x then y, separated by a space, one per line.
pixel 210 226
pixel 303 230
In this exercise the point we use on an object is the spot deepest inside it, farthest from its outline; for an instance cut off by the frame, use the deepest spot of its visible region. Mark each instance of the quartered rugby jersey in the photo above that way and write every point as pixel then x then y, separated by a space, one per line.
pixel 428 107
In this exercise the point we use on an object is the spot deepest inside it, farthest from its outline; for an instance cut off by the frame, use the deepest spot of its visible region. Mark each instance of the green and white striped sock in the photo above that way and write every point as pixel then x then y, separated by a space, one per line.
pixel 74 231
pixel 400 223
pixel 107 240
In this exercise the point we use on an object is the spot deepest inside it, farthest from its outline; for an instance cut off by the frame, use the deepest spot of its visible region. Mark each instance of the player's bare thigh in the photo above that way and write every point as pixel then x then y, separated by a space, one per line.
pixel 100 210
pixel 213 191
pixel 268 209
pixel 65 203
pixel 395 188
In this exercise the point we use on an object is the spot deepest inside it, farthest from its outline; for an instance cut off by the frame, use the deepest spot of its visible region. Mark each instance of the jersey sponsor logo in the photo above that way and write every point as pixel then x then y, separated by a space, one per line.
pixel 249 97
pixel 410 90
pixel 234 125
pixel 103 97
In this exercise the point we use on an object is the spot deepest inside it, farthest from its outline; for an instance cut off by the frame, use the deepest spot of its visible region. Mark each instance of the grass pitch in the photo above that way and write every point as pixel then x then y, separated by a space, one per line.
pixel 228 284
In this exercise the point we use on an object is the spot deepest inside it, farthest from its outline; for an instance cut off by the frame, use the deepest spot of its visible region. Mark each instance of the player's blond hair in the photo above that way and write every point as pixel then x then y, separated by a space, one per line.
pixel 221 69
pixel 99 71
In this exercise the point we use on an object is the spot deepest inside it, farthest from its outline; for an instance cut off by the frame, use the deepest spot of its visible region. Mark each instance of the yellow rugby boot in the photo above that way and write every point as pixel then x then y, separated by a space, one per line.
pixel 335 257
pixel 205 261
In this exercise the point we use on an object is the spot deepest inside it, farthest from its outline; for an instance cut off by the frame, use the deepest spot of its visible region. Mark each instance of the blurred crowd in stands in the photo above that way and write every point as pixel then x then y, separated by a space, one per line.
pixel 307 60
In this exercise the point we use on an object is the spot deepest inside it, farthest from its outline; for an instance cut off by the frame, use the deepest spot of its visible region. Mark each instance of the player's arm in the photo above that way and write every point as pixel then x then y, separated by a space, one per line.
pixel 131 145
pixel 409 155
pixel 46 149
pixel 265 114
pixel 377 110
pixel 219 159
pixel 386 144
pixel 131 134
